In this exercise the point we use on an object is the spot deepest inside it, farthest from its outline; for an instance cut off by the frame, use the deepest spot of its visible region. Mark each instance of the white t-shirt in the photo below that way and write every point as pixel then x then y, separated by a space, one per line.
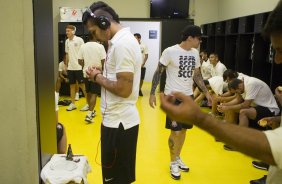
pixel 206 69
pixel 144 50
pixel 62 67
pixel 260 93
pixel 92 53
pixel 216 84
pixel 123 56
pixel 218 69
pixel 72 47
pixel 274 138
pixel 180 65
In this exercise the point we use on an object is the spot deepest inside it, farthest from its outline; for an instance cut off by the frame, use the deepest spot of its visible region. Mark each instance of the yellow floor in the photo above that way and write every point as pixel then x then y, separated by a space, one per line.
pixel 209 163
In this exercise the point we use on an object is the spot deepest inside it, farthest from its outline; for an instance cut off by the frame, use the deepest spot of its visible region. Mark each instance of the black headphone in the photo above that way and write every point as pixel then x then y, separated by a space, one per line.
pixel 102 21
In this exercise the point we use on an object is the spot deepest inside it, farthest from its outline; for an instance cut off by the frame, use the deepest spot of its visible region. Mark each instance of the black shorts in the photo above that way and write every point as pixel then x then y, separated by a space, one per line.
pixel 179 126
pixel 92 87
pixel 143 72
pixel 262 112
pixel 60 132
pixel 118 154
pixel 75 75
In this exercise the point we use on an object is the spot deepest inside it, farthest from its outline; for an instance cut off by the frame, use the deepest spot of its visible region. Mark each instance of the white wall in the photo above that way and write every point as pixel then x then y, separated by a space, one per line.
pixel 152 44
pixel 204 11
pixel 237 8
pixel 18 132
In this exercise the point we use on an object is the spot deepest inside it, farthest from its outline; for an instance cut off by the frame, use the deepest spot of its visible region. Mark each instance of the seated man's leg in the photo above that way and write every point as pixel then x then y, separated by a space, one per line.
pixel 245 115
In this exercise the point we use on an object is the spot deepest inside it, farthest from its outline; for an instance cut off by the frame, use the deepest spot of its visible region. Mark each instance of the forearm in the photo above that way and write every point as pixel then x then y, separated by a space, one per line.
pixel 199 81
pixel 156 78
pixel 248 141
pixel 227 98
pixel 112 86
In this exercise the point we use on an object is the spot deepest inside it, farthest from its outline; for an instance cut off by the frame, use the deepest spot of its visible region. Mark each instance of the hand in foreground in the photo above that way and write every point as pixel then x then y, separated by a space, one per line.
pixel 152 101
pixel 92 71
pixel 186 112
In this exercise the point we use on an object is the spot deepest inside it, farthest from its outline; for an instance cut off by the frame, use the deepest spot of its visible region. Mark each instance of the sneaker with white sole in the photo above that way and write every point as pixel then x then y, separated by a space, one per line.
pixel 93 114
pixel 174 170
pixel 181 165
pixel 71 107
pixel 85 108
pixel 76 96
pixel 89 119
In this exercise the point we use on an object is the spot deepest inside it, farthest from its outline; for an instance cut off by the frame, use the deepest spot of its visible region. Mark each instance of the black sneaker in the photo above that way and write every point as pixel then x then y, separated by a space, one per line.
pixel 228 148
pixel 260 165
pixel 259 181
pixel 140 93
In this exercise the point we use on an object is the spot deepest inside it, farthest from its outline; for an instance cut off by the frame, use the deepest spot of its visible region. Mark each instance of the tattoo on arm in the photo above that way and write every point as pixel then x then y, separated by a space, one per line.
pixel 156 78
pixel 199 80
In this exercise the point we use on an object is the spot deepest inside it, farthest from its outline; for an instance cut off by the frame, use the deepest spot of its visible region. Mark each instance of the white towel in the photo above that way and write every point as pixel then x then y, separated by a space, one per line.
pixel 60 171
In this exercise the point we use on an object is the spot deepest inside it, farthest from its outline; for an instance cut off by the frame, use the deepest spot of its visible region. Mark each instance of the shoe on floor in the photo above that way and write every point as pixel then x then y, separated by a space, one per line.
pixel 228 148
pixel 174 170
pixel 89 119
pixel 71 107
pixel 259 181
pixel 85 108
pixel 93 114
pixel 76 96
pixel 260 165
pixel 181 165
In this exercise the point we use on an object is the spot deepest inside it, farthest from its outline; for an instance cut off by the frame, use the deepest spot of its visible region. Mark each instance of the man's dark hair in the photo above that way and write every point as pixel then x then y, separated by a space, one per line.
pixel 215 54
pixel 204 51
pixel 231 74
pixel 274 21
pixel 138 35
pixel 191 30
pixel 104 7
pixel 234 83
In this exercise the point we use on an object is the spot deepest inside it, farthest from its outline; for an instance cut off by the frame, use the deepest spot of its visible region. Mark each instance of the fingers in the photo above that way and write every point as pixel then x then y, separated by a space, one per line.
pixel 179 96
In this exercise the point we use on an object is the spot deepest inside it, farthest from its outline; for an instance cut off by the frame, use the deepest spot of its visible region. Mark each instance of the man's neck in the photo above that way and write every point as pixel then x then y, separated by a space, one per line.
pixel 71 37
pixel 185 45
pixel 115 27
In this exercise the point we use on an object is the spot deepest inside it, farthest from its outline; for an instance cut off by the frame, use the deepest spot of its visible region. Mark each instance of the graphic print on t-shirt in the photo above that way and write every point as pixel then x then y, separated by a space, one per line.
pixel 186 66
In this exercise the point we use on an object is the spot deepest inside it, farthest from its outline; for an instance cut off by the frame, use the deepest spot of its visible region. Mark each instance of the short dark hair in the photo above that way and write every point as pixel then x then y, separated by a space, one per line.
pixel 231 74
pixel 190 30
pixel 234 83
pixel 274 21
pixel 138 35
pixel 104 7
pixel 215 54
pixel 204 51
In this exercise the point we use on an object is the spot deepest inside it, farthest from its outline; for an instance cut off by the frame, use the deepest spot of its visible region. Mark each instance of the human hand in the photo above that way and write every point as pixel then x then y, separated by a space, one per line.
pixel 152 101
pixel 187 111
pixel 209 98
pixel 273 122
pixel 222 108
pixel 92 71
pixel 66 80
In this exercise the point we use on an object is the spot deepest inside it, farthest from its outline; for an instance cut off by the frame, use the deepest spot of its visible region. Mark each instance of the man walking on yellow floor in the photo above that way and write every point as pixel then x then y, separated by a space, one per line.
pixel 265 146
pixel 182 64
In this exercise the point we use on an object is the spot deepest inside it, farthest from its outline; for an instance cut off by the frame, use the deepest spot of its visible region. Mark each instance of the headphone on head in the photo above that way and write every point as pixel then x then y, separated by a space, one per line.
pixel 102 21
pixel 73 32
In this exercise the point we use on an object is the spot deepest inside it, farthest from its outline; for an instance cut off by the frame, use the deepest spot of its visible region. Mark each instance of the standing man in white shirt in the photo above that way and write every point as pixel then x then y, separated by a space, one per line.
pixel 265 146
pixel 217 68
pixel 75 75
pixel 120 86
pixel 182 65
pixel 144 51
pixel 91 54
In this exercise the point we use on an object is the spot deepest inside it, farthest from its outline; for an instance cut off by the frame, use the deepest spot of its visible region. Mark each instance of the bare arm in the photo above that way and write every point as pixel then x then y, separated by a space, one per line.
pixel 249 141
pixel 156 78
pixel 61 75
pixel 236 100
pixel 67 59
pixel 199 80
pixel 145 60
pixel 122 87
